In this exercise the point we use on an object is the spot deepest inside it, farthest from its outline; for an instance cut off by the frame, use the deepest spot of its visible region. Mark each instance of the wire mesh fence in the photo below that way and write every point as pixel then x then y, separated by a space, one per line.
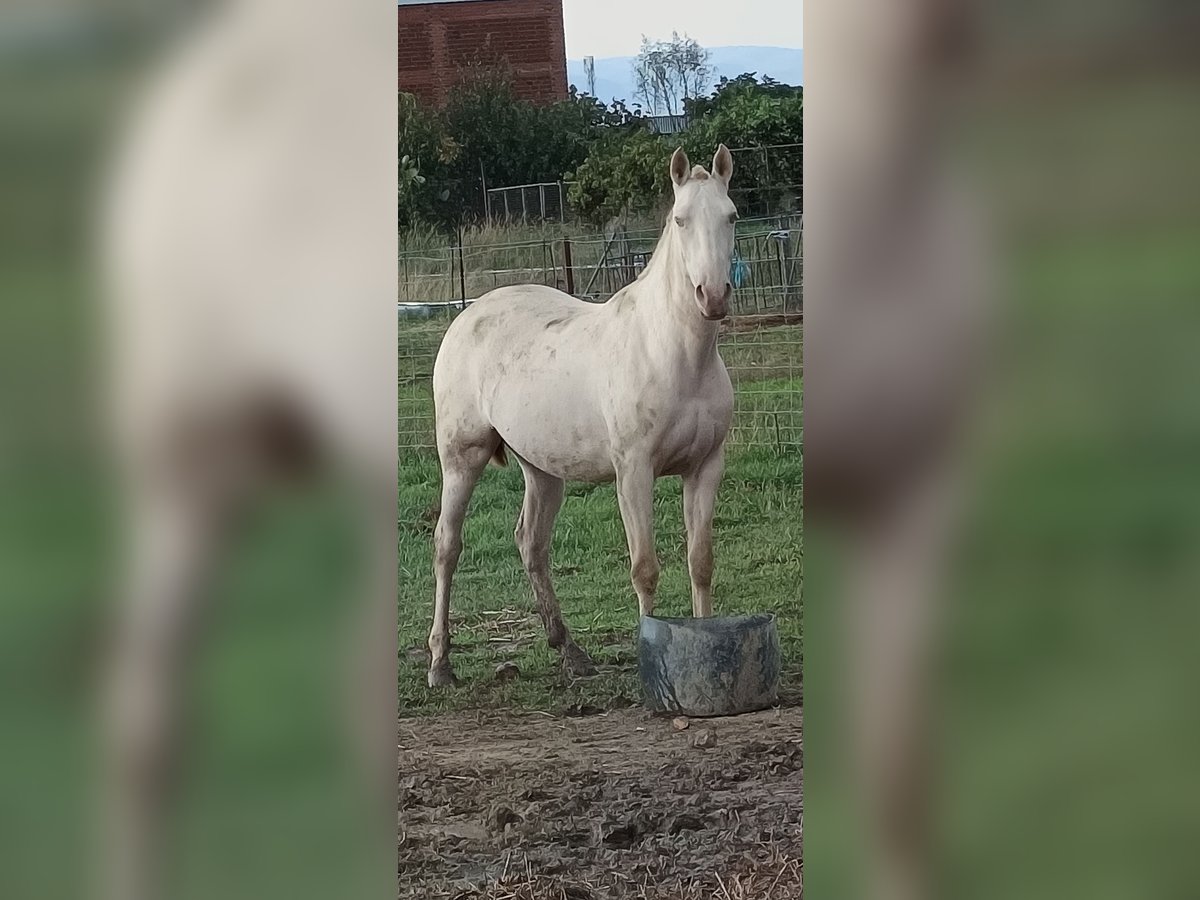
pixel 761 342
pixel 769 179
pixel 543 202
pixel 767 266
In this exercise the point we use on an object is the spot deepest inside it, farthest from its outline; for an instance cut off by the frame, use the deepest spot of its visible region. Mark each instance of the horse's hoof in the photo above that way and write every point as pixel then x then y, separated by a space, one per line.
pixel 577 662
pixel 442 675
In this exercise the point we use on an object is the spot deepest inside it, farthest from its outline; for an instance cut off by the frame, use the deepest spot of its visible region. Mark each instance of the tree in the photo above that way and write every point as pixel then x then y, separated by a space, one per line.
pixel 625 174
pixel 422 141
pixel 487 130
pixel 748 113
pixel 669 73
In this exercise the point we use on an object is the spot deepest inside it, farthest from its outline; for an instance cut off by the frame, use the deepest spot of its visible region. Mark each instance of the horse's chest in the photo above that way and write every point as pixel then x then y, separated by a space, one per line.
pixel 688 436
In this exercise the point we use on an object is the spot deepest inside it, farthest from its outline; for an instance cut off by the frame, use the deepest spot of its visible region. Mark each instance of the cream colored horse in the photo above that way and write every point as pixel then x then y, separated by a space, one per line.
pixel 630 390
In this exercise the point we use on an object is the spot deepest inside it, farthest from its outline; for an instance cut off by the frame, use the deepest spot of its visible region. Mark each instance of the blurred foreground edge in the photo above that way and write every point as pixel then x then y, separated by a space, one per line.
pixel 959 153
pixel 248 248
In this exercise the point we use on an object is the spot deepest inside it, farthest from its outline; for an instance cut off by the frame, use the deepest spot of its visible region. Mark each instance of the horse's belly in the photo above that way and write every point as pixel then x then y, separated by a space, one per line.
pixel 571 466
pixel 564 439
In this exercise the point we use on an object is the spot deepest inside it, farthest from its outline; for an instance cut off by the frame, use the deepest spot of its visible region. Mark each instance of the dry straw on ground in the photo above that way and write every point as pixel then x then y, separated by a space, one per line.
pixel 780 879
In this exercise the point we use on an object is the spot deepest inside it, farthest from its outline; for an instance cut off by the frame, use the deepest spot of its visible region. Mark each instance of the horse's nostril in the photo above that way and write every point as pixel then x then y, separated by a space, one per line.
pixel 700 293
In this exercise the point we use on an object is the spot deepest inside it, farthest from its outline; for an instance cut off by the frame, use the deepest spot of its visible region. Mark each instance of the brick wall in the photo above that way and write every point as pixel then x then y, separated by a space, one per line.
pixel 435 39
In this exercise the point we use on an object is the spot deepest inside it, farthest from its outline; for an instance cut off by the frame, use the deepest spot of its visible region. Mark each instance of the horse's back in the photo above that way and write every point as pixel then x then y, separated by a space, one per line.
pixel 529 305
pixel 511 321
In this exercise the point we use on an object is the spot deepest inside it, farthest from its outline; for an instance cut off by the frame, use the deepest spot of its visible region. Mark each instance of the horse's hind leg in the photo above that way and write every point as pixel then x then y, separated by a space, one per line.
pixel 462 464
pixel 543 499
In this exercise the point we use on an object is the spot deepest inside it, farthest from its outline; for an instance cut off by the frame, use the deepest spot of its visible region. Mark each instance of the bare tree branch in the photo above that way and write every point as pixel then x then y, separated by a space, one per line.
pixel 666 73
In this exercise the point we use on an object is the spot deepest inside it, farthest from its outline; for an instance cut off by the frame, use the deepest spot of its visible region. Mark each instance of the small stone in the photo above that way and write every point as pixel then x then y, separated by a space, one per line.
pixel 704 738
pixel 507 671
pixel 680 723
pixel 501 816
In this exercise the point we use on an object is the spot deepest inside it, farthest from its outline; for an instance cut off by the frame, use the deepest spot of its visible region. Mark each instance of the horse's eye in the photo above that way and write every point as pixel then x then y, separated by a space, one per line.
pixel 733 217
pixel 679 221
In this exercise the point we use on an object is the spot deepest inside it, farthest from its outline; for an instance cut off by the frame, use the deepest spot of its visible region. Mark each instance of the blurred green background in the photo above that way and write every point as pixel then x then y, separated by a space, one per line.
pixel 270 807
pixel 1068 738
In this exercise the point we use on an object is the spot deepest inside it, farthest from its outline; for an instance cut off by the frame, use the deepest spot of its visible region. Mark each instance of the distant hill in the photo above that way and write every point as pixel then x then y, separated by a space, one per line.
pixel 614 74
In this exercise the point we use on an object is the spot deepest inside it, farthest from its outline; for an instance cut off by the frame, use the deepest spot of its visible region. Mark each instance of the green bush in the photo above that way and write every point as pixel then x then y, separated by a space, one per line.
pixel 618 164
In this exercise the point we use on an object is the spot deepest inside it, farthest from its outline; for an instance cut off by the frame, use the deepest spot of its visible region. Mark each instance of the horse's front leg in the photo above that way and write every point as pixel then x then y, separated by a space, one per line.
pixel 699 498
pixel 635 494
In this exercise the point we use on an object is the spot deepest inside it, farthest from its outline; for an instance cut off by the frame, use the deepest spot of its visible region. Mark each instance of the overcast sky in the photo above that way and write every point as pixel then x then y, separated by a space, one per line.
pixel 615 27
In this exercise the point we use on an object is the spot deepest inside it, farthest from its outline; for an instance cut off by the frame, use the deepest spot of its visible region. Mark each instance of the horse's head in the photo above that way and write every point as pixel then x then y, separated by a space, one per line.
pixel 703 217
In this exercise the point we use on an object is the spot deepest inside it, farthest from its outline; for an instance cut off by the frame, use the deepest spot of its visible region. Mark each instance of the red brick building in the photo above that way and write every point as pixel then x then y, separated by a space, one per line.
pixel 438 37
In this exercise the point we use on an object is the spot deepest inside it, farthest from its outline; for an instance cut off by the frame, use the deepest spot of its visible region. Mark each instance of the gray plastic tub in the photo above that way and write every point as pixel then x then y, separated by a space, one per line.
pixel 709 667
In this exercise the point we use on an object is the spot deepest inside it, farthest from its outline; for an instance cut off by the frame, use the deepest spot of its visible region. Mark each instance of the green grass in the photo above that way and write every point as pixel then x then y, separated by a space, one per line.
pixel 759 554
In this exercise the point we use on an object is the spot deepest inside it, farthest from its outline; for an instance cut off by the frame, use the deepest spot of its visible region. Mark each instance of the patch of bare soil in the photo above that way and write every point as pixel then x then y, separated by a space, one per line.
pixel 620 805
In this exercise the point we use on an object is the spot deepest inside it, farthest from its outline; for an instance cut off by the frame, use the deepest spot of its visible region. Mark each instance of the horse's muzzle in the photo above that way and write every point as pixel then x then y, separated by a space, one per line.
pixel 714 305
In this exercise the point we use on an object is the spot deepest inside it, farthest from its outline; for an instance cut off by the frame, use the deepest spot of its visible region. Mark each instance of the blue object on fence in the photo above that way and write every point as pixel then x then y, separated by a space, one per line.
pixel 739 271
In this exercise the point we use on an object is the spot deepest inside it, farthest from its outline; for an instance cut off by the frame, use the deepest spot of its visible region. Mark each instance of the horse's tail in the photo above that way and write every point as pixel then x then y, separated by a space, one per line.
pixel 500 457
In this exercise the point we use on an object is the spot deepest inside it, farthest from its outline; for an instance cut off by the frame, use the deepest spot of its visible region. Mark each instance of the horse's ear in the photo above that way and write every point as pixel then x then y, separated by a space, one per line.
pixel 723 164
pixel 681 169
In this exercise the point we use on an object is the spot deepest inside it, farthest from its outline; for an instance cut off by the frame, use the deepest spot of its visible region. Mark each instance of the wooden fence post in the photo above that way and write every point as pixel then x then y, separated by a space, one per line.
pixel 462 275
pixel 570 272
pixel 784 287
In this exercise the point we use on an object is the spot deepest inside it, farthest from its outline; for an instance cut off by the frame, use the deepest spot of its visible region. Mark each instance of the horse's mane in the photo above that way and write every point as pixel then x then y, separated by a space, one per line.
pixel 661 249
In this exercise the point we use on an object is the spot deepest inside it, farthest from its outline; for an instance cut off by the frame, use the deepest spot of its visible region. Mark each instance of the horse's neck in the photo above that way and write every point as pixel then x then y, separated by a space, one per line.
pixel 667 314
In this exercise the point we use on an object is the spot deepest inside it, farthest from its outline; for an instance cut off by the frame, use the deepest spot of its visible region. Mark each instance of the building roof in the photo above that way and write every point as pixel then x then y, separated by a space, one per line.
pixel 430 2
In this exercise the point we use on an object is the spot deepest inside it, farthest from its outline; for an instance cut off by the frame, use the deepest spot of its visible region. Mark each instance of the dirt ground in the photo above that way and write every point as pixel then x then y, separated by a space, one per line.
pixel 526 806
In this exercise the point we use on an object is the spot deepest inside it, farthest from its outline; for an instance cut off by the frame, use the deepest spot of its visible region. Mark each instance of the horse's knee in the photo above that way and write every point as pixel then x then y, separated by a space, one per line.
pixel 700 564
pixel 645 574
